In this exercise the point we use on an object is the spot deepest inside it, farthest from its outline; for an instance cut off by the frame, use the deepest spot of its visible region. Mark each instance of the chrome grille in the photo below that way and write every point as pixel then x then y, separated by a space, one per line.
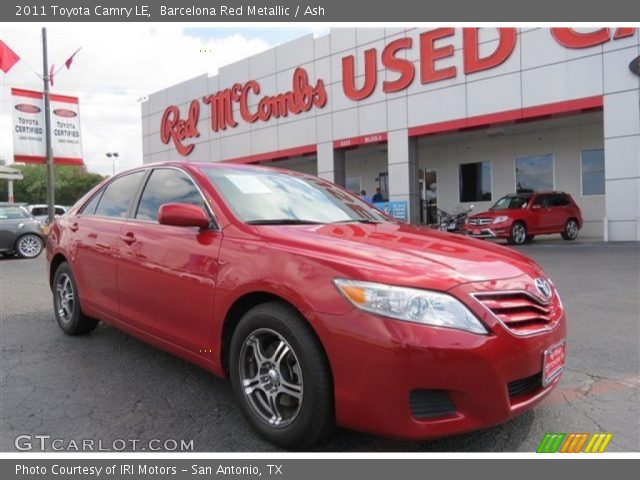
pixel 479 221
pixel 519 311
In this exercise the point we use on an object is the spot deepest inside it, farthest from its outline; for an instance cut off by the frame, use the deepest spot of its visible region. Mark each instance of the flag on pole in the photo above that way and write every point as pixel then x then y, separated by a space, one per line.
pixel 8 57
pixel 51 72
pixel 69 60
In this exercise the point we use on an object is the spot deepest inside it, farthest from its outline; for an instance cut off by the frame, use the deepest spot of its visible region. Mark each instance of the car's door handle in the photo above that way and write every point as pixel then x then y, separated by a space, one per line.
pixel 129 238
pixel 74 227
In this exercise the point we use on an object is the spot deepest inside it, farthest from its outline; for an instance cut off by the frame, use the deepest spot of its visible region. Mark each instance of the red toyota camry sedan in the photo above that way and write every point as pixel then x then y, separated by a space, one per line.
pixel 320 309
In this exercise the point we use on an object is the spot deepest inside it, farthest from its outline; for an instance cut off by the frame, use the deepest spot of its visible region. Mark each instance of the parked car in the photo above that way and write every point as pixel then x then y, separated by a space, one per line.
pixel 41 212
pixel 20 233
pixel 520 217
pixel 320 308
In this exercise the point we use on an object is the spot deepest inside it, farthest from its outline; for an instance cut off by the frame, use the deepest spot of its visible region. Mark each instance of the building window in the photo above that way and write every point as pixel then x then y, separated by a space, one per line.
pixel 593 172
pixel 475 182
pixel 353 184
pixel 534 173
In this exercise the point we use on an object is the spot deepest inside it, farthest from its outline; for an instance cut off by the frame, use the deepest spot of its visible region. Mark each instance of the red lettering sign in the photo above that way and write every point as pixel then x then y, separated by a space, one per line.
pixel 401 65
pixel 302 97
pixel 349 75
pixel 429 53
pixel 567 37
pixel 473 62
pixel 172 127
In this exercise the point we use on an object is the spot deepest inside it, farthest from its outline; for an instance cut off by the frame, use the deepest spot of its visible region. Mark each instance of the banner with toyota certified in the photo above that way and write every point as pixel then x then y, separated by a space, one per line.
pixel 29 128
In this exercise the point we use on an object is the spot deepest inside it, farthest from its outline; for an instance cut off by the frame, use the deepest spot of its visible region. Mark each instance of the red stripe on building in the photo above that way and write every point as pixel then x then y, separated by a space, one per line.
pixel 275 155
pixel 508 116
pixel 361 140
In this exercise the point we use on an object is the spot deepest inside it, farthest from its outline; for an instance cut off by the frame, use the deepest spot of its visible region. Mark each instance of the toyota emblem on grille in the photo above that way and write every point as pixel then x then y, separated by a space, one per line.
pixel 543 287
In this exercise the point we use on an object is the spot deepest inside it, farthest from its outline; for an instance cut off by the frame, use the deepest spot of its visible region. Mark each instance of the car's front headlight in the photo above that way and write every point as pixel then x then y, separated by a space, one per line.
pixel 410 304
pixel 500 219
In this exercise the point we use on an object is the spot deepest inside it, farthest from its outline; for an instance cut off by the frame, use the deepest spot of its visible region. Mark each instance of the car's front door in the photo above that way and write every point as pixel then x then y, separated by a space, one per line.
pixel 540 219
pixel 167 274
pixel 94 233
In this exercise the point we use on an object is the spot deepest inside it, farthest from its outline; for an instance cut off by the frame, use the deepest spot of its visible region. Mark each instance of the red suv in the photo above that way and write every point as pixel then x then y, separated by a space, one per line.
pixel 318 307
pixel 521 216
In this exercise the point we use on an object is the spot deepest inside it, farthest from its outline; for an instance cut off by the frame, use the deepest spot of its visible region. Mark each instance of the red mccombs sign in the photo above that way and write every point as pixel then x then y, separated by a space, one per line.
pixel 303 95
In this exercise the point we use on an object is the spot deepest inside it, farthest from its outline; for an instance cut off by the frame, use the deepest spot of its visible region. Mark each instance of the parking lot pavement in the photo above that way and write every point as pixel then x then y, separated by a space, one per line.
pixel 109 386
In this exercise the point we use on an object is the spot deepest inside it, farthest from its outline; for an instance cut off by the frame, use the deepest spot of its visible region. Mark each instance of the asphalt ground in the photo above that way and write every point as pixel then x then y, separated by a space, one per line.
pixel 113 388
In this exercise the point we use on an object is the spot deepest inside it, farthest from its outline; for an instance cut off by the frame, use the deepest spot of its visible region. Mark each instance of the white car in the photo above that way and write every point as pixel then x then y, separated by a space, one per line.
pixel 41 210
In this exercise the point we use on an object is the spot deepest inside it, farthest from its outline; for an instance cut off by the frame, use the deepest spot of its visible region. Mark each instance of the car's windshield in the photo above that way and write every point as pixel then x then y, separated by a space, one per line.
pixel 12 213
pixel 271 197
pixel 512 201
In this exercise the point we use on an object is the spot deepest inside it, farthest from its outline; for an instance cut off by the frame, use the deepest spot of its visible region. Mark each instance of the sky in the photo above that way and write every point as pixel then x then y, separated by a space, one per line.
pixel 118 65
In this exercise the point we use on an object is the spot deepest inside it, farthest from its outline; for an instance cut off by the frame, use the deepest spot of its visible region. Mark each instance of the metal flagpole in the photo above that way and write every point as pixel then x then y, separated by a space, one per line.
pixel 47 127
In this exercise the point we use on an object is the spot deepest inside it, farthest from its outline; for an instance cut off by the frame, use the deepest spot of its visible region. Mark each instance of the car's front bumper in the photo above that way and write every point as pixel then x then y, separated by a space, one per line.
pixel 377 363
pixel 493 231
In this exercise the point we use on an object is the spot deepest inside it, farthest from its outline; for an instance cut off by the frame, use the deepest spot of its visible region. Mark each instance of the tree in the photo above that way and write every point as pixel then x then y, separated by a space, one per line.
pixel 70 183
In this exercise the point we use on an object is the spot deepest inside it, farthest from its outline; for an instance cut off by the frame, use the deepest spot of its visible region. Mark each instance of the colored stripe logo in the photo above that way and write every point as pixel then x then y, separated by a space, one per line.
pixel 574 443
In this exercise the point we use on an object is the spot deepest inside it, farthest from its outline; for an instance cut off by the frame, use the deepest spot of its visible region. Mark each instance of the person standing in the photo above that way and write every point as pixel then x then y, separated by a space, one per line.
pixel 364 197
pixel 377 198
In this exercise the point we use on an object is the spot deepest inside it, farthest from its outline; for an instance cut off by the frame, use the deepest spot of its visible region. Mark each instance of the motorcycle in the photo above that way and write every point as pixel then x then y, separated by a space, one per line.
pixel 453 223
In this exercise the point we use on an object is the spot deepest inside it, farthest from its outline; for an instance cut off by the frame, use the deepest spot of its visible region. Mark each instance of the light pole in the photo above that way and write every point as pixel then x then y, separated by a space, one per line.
pixel 113 156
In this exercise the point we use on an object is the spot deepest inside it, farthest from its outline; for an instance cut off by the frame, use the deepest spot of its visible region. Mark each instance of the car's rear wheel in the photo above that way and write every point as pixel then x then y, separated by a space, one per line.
pixel 518 234
pixel 66 304
pixel 571 230
pixel 280 376
pixel 29 246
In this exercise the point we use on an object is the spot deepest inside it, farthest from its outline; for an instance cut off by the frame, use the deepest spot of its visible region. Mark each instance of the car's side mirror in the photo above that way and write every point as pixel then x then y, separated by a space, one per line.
pixel 183 215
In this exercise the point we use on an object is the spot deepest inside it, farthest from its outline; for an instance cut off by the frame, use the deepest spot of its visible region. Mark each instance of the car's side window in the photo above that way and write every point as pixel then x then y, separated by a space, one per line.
pixel 542 201
pixel 166 186
pixel 118 195
pixel 560 201
pixel 90 207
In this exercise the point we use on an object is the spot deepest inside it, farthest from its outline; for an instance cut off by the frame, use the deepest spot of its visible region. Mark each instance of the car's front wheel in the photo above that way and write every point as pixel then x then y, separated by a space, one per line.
pixel 570 230
pixel 29 246
pixel 280 376
pixel 518 234
pixel 66 304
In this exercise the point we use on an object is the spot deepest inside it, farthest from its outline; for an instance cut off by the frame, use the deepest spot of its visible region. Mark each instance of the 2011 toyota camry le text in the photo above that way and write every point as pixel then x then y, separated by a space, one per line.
pixel 320 309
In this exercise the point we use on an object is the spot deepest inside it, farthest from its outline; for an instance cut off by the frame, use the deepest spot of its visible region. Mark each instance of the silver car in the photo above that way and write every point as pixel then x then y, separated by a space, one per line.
pixel 19 232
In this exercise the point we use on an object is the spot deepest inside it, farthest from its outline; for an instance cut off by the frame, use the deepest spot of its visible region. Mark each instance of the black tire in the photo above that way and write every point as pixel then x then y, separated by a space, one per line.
pixel 517 234
pixel 312 417
pixel 69 315
pixel 29 245
pixel 571 229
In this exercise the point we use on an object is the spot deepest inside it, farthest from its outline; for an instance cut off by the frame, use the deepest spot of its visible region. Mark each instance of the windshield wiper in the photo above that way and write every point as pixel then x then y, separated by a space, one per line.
pixel 282 221
pixel 358 220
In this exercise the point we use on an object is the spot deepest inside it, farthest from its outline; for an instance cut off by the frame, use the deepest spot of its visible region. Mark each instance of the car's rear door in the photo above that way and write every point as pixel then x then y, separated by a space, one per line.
pixel 95 232
pixel 167 274
pixel 559 211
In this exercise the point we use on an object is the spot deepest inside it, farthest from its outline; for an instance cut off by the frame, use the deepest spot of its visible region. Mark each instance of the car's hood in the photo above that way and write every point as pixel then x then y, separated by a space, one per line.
pixel 403 254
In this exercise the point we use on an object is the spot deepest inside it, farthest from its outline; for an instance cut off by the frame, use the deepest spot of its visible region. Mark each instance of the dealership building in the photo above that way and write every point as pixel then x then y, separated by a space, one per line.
pixel 445 117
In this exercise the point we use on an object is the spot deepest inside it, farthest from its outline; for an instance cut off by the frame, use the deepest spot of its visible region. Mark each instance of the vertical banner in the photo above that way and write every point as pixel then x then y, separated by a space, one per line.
pixel 28 128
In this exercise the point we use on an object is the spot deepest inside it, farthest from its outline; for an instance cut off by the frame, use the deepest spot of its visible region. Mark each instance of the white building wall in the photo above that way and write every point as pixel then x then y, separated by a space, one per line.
pixel 539 72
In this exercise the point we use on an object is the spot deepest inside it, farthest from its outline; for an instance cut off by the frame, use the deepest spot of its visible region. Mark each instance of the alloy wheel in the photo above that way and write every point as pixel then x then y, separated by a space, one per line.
pixel 29 246
pixel 572 229
pixel 65 298
pixel 519 233
pixel 271 377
